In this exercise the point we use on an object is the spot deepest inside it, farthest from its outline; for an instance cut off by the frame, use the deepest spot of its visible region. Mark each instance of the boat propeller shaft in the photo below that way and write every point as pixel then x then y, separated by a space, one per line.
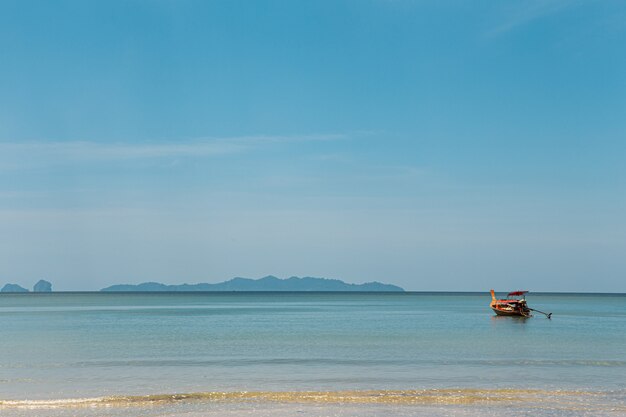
pixel 546 314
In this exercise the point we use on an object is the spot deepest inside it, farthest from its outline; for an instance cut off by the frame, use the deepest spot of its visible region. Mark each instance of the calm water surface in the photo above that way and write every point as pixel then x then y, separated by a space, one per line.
pixel 82 345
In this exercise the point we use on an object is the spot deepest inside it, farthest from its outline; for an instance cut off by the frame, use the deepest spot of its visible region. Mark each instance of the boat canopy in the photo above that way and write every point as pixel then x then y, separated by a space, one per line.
pixel 513 293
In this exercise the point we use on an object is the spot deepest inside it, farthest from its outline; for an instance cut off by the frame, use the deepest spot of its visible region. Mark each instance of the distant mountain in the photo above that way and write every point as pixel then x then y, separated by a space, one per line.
pixel 13 288
pixel 269 283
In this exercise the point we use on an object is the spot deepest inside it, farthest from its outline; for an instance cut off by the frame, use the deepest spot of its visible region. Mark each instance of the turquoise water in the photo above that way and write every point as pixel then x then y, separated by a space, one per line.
pixel 85 345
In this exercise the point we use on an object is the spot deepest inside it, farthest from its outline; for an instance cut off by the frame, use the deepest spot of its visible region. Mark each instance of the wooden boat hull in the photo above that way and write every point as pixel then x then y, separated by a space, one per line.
pixel 510 313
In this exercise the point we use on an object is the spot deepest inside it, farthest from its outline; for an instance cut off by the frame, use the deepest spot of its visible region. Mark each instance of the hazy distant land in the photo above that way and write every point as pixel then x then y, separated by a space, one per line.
pixel 269 283
pixel 41 286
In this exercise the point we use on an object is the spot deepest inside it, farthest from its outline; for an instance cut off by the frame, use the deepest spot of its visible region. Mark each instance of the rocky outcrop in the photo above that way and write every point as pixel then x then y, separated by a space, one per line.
pixel 42 286
pixel 13 288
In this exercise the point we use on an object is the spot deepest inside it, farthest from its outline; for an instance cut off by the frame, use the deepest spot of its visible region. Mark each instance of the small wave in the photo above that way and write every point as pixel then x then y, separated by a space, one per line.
pixel 399 397
pixel 344 362
pixel 547 362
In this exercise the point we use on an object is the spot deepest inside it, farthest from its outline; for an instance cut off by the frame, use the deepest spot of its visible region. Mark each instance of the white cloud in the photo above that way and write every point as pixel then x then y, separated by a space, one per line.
pixel 525 12
pixel 14 155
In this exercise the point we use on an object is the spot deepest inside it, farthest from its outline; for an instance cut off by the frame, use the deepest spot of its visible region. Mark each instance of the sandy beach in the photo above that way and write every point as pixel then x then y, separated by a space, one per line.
pixel 339 404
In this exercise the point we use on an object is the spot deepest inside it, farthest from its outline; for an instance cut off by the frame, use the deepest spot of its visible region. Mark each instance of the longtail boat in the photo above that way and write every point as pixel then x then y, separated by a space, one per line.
pixel 514 305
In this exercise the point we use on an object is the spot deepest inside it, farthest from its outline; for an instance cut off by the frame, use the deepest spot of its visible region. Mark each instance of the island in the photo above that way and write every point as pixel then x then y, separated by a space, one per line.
pixel 268 283
pixel 42 286
pixel 13 288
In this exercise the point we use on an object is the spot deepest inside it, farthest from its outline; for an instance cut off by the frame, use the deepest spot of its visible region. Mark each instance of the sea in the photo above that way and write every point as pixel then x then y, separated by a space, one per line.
pixel 309 354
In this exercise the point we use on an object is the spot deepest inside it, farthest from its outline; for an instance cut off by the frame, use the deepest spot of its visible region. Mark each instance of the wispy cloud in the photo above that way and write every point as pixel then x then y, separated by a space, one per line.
pixel 525 12
pixel 15 154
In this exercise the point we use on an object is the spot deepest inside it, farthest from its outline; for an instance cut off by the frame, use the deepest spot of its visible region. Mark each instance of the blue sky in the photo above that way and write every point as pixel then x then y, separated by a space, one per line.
pixel 437 145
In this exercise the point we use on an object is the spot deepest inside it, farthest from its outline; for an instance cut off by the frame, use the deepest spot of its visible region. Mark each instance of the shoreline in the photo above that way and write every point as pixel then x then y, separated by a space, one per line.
pixel 434 396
